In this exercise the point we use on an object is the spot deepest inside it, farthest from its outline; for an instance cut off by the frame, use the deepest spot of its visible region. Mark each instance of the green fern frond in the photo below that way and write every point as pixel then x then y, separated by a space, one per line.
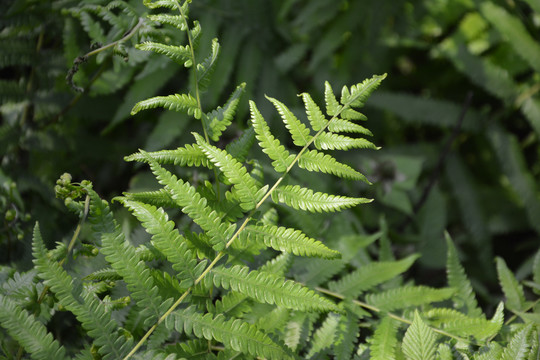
pixel 492 351
pixel 268 143
pixel 340 125
pixel 313 160
pixel 158 198
pixel 299 132
pixel 269 288
pixel 370 275
pixel 207 66
pixel 29 332
pixel 278 265
pixel 241 147
pixel 318 271
pixel 314 114
pixel 169 4
pixel 167 240
pixel 419 342
pixel 232 304
pixel 332 106
pixel 179 54
pixel 289 240
pixel 20 286
pixel 331 141
pixel 357 95
pixel 404 297
pixel 459 281
pixel 304 198
pixel 347 334
pixel 195 206
pixel 518 348
pixel 91 313
pixel 173 20
pixel 106 274
pixel 480 328
pixel 218 120
pixel 383 343
pixel 176 102
pixel 515 297
pixel 235 334
pixel 325 334
pixel 189 155
pixel 235 172
pixel 350 114
pixel 126 262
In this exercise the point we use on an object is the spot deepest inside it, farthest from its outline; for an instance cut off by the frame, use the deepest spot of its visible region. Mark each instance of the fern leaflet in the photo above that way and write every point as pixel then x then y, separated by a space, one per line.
pixel 419 341
pixel 299 132
pixel 304 198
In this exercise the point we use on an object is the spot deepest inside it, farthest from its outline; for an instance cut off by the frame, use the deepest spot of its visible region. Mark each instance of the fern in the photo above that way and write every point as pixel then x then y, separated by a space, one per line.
pixel 419 341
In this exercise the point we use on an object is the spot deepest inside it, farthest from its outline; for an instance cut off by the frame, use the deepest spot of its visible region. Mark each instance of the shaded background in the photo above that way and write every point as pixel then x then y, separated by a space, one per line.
pixel 484 170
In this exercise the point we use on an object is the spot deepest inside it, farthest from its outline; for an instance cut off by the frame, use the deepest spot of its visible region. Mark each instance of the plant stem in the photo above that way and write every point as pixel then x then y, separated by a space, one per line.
pixel 389 314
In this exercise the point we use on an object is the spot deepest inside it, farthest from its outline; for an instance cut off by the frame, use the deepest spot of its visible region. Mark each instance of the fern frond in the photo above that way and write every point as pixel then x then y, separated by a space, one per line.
pixel 289 240
pixel 167 240
pixel 236 334
pixel 232 304
pixel 169 4
pixel 188 155
pixel 518 346
pixel 304 198
pixel 20 286
pixel 347 334
pixel 195 206
pixel 241 147
pixel 179 54
pixel 89 311
pixel 318 271
pixel 269 145
pixel 315 116
pixel 207 66
pixel 219 119
pixel 278 265
pixel 126 262
pixel 235 172
pixel 515 297
pixel 357 95
pixel 404 297
pixel 480 328
pixel 367 276
pixel 419 342
pixel 325 334
pixel 492 351
pixel 331 141
pixel 383 343
pixel 29 332
pixel 106 274
pixel 340 125
pixel 176 102
pixel 269 288
pixel 158 198
pixel 173 20
pixel 332 106
pixel 299 132
pixel 313 160
pixel 459 281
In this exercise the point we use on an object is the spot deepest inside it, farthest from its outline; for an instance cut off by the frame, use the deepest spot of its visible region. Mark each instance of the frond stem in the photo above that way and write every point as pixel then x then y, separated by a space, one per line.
pixel 221 254
pixel 389 314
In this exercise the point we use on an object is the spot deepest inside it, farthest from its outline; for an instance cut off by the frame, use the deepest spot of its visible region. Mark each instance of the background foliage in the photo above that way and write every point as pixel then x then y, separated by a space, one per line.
pixel 477 178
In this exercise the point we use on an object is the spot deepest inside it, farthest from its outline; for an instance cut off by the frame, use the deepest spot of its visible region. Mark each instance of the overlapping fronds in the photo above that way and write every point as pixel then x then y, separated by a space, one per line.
pixel 195 206
pixel 299 133
pixel 29 332
pixel 302 198
pixel 167 240
pixel 325 334
pixel 269 288
pixel 236 334
pixel 217 120
pixel 271 146
pixel 245 186
pixel 188 155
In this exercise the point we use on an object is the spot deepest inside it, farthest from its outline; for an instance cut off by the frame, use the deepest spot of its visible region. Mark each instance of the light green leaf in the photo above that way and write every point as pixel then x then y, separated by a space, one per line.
pixel 419 342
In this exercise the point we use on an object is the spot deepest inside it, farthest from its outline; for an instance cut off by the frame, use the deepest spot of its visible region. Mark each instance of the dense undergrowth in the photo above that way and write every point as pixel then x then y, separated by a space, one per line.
pixel 251 236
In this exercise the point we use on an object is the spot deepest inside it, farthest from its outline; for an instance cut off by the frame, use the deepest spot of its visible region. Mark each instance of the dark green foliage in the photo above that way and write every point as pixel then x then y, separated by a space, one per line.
pixel 245 240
